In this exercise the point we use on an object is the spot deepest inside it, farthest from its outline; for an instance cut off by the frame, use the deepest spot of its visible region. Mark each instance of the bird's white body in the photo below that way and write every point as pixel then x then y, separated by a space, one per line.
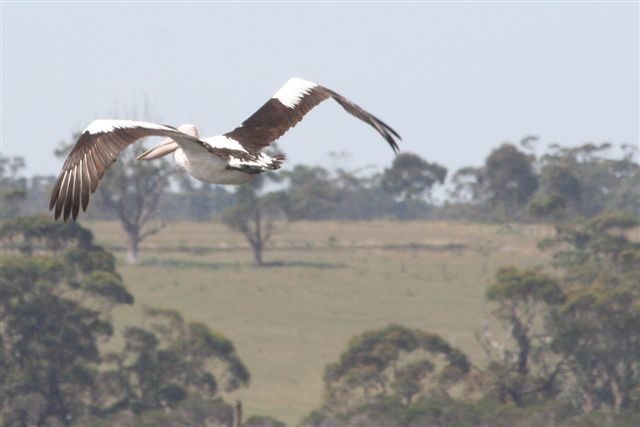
pixel 207 167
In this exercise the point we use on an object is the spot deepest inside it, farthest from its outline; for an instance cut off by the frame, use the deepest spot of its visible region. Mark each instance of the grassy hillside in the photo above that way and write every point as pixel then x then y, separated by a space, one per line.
pixel 334 280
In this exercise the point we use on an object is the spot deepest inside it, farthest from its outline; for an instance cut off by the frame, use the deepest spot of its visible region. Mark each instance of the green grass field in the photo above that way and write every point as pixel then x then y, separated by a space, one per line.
pixel 337 279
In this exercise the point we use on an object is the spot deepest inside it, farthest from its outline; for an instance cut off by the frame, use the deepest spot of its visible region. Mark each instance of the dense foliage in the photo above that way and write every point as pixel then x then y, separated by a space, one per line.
pixel 13 187
pixel 57 291
pixel 254 215
pixel 569 353
pixel 393 361
pixel 563 183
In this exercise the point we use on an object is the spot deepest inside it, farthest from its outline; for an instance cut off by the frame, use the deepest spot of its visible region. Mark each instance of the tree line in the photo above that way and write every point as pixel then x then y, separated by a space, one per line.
pixel 512 185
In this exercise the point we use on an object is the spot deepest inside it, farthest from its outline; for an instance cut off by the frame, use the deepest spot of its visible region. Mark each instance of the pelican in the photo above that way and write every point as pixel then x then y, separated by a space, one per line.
pixel 231 158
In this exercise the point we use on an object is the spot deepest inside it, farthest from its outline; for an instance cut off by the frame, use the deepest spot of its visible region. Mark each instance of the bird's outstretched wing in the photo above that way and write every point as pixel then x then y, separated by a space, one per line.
pixel 96 149
pixel 288 106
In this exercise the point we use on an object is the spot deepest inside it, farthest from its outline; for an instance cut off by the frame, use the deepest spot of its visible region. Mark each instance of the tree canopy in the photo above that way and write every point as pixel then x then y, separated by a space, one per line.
pixel 393 361
pixel 57 292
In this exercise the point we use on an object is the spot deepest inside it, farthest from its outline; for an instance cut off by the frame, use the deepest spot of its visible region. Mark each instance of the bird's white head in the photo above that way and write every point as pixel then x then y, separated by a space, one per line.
pixel 190 129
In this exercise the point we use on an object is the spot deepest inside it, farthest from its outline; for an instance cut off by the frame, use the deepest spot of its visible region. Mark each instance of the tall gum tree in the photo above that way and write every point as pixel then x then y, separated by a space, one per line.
pixel 57 291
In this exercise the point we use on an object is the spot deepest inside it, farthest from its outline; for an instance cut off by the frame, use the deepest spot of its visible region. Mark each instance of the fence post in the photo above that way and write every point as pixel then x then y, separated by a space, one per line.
pixel 237 414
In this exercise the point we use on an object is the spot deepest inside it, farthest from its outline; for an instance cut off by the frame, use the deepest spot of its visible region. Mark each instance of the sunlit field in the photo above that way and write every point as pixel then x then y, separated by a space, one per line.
pixel 328 281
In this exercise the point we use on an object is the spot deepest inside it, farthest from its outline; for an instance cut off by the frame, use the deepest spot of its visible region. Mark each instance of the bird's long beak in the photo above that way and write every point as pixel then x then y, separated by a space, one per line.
pixel 165 147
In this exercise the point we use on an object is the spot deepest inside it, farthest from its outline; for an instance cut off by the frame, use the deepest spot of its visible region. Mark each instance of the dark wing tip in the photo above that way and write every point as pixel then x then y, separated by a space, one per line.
pixel 388 133
pixel 390 129
pixel 75 209
pixel 384 129
pixel 392 142
pixel 52 201
pixel 58 210
pixel 56 195
pixel 394 145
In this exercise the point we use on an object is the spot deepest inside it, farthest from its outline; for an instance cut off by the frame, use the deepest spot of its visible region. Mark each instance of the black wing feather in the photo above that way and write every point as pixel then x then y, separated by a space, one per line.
pixel 94 152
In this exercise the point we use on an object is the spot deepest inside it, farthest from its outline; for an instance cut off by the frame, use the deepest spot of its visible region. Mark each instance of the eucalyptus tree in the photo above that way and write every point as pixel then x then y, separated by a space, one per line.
pixel 393 361
pixel 411 179
pixel 167 361
pixel 255 215
pixel 523 366
pixel 57 291
pixel 597 330
pixel 13 187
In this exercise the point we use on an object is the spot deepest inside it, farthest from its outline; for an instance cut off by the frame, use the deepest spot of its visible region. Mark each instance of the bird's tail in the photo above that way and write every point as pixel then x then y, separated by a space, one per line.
pixel 277 162
pixel 167 146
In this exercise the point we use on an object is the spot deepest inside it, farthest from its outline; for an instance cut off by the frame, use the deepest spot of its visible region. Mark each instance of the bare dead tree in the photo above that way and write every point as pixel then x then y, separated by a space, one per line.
pixel 131 190
pixel 254 215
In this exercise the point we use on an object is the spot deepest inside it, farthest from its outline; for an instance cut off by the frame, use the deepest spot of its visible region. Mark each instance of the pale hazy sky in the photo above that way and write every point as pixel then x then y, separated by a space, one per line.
pixel 454 79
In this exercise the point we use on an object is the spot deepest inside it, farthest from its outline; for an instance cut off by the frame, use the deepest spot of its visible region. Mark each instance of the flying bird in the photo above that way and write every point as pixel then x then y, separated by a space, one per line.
pixel 231 158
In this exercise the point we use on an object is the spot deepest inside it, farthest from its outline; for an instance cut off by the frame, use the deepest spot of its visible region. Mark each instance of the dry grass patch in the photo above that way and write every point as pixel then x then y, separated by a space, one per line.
pixel 336 279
